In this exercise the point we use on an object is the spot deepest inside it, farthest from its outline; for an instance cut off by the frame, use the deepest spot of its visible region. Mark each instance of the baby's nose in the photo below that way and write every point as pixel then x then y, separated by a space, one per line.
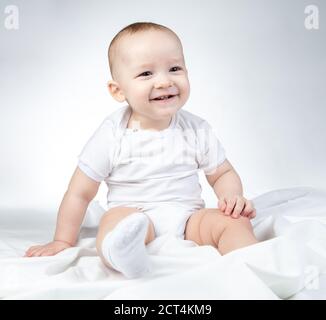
pixel 163 84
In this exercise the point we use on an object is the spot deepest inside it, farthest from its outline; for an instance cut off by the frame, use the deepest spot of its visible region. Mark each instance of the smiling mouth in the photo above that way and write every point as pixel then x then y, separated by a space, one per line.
pixel 163 98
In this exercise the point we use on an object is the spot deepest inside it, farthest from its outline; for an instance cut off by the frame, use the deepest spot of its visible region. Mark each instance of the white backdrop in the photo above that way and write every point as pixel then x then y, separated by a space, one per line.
pixel 257 75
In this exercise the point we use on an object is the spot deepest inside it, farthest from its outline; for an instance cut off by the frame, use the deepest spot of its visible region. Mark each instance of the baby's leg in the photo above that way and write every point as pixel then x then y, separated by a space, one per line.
pixel 121 239
pixel 212 227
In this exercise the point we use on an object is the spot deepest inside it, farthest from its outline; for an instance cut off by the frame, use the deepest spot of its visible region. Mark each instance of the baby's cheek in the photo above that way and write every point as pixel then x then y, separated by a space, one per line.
pixel 143 94
pixel 185 88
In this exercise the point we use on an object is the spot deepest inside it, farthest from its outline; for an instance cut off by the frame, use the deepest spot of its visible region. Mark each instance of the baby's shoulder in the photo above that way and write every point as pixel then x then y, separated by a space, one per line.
pixel 113 120
pixel 188 120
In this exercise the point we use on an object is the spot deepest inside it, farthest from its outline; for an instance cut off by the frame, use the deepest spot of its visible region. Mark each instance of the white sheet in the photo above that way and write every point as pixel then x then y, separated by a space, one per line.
pixel 288 263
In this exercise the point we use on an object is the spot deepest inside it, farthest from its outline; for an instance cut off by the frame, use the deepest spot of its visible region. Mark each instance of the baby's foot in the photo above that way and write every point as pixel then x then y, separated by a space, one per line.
pixel 124 246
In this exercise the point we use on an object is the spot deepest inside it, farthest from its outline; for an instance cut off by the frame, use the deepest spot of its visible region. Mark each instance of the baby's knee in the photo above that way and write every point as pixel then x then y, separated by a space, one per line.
pixel 215 222
pixel 240 222
pixel 204 226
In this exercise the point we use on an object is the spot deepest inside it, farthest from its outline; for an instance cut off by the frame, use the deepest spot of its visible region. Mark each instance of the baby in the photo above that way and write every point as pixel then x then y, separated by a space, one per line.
pixel 149 153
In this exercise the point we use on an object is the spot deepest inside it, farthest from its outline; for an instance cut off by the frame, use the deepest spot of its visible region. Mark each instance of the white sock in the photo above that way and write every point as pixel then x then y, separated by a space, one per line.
pixel 124 247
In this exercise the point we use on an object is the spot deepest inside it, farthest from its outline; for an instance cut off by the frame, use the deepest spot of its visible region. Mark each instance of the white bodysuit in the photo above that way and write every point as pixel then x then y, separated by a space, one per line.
pixel 154 171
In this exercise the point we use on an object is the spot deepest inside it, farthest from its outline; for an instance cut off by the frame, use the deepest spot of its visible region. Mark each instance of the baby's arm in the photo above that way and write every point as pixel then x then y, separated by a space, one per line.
pixel 225 180
pixel 227 186
pixel 80 192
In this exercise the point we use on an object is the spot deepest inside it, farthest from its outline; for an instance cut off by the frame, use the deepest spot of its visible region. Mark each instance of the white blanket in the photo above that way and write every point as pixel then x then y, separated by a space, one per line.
pixel 288 263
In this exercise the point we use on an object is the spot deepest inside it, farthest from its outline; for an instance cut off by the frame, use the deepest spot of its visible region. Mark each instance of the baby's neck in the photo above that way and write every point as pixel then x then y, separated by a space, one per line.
pixel 136 123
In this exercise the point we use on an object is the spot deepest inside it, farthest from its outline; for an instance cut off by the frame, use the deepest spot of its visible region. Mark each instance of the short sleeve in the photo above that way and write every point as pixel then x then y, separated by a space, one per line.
pixel 96 157
pixel 210 152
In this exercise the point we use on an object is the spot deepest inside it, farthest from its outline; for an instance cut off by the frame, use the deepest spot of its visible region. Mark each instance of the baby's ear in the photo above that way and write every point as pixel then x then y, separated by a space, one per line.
pixel 116 91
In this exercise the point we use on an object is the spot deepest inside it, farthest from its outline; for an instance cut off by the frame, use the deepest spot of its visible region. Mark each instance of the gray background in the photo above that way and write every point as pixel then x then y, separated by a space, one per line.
pixel 257 75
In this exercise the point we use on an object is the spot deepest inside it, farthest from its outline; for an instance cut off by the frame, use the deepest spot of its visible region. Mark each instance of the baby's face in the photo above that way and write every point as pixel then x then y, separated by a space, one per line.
pixel 151 74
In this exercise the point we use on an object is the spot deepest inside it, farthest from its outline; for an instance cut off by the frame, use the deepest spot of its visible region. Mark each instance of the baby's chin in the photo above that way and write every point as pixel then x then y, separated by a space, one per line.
pixel 167 111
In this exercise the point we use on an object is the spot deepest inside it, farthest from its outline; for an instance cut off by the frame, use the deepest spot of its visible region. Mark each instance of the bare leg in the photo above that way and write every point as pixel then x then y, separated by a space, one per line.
pixel 235 236
pixel 212 227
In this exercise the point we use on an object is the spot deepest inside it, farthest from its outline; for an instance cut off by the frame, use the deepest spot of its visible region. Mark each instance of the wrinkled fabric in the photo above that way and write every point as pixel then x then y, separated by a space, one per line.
pixel 289 262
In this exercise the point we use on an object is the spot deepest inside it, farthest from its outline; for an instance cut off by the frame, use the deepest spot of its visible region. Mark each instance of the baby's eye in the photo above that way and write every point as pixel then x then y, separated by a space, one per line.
pixel 174 69
pixel 145 74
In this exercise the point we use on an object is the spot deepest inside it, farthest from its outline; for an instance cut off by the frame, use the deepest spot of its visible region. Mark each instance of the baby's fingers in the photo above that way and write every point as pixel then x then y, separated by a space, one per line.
pixel 50 252
pixel 252 214
pixel 230 206
pixel 248 209
pixel 237 209
pixel 29 252
pixel 38 253
pixel 34 251
pixel 32 248
pixel 221 204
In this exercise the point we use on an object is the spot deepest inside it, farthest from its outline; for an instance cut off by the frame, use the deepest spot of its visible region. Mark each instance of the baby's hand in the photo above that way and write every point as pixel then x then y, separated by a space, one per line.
pixel 236 206
pixel 49 249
